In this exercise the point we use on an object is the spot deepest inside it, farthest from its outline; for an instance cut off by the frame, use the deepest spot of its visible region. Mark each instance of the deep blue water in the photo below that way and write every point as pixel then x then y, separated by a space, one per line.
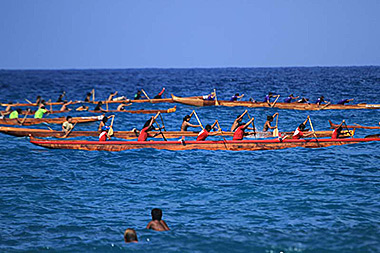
pixel 293 200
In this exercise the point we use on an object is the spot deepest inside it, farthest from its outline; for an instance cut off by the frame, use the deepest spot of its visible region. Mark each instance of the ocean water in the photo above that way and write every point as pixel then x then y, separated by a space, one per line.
pixel 292 200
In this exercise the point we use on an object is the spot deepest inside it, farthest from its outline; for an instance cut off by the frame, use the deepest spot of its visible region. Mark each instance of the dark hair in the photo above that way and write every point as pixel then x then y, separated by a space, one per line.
pixel 68 117
pixel 302 126
pixel 105 119
pixel 18 110
pixel 237 94
pixel 156 214
pixel 130 235
pixel 38 97
pixel 147 123
pixel 100 103
pixel 269 117
pixel 270 93
pixel 88 93
pixel 43 107
pixel 208 128
pixel 186 117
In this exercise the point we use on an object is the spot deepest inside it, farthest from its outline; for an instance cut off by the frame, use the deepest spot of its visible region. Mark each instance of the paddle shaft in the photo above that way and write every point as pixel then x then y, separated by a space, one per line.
pixel 200 123
pixel 146 95
pixel 69 132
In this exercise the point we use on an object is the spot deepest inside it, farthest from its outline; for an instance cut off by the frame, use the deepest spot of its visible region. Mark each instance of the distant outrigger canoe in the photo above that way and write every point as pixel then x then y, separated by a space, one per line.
pixel 20 132
pixel 199 101
pixel 250 145
pixel 32 121
pixel 143 111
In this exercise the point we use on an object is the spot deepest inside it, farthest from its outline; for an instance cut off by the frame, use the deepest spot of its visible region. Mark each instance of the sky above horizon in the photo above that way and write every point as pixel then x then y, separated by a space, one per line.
pixel 53 34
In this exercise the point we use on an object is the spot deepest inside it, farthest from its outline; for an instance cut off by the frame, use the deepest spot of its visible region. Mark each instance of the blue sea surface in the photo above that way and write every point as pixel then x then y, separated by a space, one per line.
pixel 291 200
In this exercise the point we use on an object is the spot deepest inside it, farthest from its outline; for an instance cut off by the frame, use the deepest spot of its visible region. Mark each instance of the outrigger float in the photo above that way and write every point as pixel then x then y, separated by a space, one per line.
pixel 249 145
pixel 32 121
pixel 199 101
pixel 21 132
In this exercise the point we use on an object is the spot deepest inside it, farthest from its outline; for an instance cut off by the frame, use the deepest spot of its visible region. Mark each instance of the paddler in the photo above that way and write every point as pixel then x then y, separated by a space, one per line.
pixel 237 121
pixel 210 96
pixel 98 107
pixel 148 126
pixel 268 97
pixel 65 106
pixel 239 133
pixel 303 101
pixel 14 114
pixel 267 124
pixel 344 101
pixel 9 107
pixel 337 131
pixel 206 132
pixel 88 97
pixel 236 97
pixel 320 100
pixel 104 134
pixel 38 100
pixel 110 97
pixel 60 98
pixel 102 123
pixel 137 95
pixel 289 98
pixel 67 125
pixel 40 112
pixel 82 108
pixel 298 134
pixel 122 106
pixel 159 95
pixel 186 123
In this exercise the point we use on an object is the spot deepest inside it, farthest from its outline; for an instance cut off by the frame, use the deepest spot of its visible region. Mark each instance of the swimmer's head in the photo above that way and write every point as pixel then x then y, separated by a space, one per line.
pixel 156 214
pixel 130 235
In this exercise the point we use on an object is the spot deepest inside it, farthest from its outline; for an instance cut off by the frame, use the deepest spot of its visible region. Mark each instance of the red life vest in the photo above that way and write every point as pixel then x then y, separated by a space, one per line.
pixel 103 136
pixel 334 134
pixel 297 134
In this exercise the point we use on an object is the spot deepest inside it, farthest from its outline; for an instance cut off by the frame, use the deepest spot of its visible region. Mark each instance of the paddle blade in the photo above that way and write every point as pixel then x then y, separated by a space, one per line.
pixel 275 132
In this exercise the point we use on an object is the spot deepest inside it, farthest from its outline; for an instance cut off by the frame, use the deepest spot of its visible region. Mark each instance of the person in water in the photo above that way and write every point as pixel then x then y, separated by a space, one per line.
pixel 137 95
pixel 60 98
pixel 98 107
pixel 239 132
pixel 267 124
pixel 237 121
pixel 67 125
pixel 157 223
pixel 236 97
pixel 289 98
pixel 344 101
pixel 159 95
pixel 298 134
pixel 65 107
pixel 206 132
pixel 104 134
pixel 130 236
pixel 40 112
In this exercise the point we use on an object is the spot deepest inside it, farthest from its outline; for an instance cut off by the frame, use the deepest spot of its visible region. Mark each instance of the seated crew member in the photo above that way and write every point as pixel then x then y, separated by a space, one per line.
pixel 186 124
pixel 102 123
pixel 9 107
pixel 40 112
pixel 67 125
pixel 303 100
pixel 289 98
pixel 38 100
pixel 237 121
pixel 14 114
pixel 148 126
pixel 88 97
pixel 206 132
pixel 210 96
pixel 268 97
pixel 267 125
pixel 60 98
pixel 236 97
pixel 137 95
pixel 104 134
pixel 337 131
pixel 320 100
pixel 65 107
pixel 122 106
pixel 344 101
pixel 98 107
pixel 298 134
pixel 159 95
pixel 130 236
pixel 239 133
pixel 110 97
pixel 157 223
pixel 82 108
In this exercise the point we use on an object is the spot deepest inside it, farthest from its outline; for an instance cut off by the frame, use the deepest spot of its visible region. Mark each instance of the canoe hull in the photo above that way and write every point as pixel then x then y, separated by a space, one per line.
pixel 32 121
pixel 332 125
pixel 248 145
